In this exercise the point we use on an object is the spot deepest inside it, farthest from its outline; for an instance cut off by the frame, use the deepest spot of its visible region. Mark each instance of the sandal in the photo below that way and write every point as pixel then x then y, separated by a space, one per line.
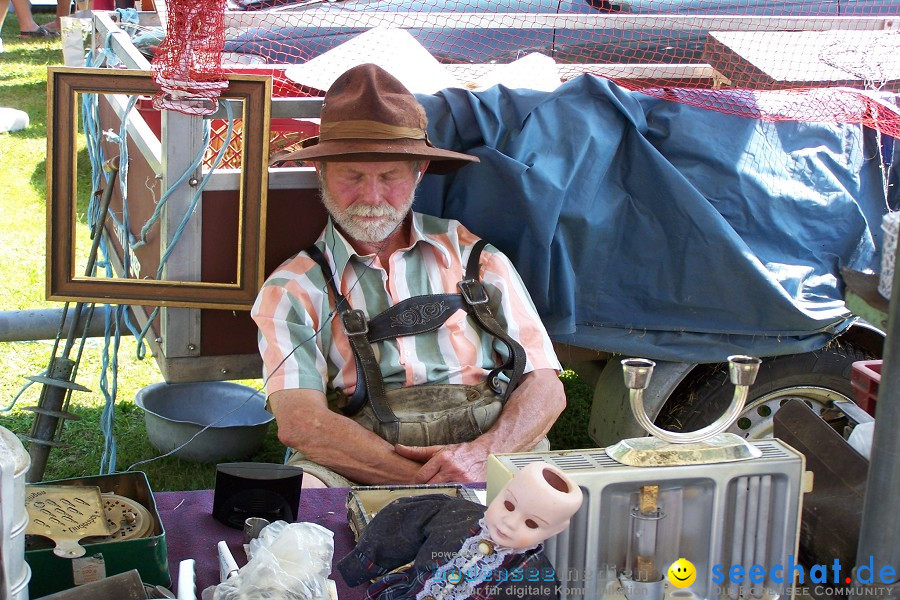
pixel 40 32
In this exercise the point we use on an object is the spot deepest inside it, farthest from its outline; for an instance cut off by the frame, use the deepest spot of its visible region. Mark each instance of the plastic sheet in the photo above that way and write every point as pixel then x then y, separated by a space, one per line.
pixel 653 228
pixel 861 438
pixel 288 561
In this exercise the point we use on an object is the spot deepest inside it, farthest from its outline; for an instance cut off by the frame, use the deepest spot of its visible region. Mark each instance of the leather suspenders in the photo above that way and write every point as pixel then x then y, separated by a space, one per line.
pixel 419 314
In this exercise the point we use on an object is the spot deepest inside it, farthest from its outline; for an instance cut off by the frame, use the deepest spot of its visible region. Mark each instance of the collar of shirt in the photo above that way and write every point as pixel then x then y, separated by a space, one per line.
pixel 336 247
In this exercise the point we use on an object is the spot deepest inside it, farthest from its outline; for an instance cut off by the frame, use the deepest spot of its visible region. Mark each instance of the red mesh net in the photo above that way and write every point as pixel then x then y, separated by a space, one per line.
pixel 811 60
pixel 810 105
pixel 187 65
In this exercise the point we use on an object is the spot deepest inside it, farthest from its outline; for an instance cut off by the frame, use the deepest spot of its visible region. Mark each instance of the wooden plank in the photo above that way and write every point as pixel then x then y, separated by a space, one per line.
pixel 782 59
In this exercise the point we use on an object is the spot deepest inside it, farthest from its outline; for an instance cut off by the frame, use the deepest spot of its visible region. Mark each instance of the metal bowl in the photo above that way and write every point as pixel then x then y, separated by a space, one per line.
pixel 235 415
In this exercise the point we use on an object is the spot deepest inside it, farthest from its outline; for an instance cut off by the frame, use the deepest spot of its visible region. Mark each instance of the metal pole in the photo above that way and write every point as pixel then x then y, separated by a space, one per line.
pixel 57 384
pixel 879 535
pixel 46 417
pixel 43 324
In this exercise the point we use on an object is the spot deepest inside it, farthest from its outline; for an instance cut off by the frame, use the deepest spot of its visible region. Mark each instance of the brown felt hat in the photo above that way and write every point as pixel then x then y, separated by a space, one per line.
pixel 369 116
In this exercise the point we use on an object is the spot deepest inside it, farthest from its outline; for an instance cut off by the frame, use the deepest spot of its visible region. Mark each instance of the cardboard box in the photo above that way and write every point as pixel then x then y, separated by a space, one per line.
pixel 50 573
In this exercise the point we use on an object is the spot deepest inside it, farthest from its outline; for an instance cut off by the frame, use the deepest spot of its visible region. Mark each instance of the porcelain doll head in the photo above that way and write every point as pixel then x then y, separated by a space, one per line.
pixel 534 505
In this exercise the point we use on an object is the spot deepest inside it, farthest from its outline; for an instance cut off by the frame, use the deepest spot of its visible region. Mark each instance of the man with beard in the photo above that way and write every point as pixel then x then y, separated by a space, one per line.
pixel 400 348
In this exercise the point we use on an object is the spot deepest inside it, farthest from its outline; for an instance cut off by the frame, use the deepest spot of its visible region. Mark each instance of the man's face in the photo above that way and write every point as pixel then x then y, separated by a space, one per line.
pixel 369 200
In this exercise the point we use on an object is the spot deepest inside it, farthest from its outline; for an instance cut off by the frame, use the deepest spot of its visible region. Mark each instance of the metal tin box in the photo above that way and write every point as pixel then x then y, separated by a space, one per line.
pixel 364 501
pixel 148 555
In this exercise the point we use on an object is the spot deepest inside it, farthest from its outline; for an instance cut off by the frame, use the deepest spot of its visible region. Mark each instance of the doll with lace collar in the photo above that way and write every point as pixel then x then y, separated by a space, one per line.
pixel 435 547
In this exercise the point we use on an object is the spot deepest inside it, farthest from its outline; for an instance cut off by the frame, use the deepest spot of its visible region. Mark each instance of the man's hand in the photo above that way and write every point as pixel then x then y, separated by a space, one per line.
pixel 447 463
pixel 526 418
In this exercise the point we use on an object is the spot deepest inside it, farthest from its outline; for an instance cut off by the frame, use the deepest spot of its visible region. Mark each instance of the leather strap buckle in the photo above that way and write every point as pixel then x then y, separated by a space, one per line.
pixel 495 383
pixel 355 322
pixel 472 291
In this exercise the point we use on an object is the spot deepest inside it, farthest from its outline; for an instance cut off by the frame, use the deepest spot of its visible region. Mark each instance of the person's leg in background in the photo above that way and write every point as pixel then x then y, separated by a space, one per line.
pixel 27 25
pixel 63 9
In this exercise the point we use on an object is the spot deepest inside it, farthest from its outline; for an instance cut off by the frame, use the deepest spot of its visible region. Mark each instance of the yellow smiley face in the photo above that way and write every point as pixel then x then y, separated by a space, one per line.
pixel 682 573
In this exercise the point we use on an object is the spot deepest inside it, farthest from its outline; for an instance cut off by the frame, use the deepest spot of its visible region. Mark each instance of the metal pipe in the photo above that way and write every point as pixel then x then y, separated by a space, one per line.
pixel 879 533
pixel 43 324
pixel 58 385
pixel 43 429
pixel 762 533
pixel 751 529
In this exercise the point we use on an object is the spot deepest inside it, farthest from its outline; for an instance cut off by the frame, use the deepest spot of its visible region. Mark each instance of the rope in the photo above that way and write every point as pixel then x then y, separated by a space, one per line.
pixel 109 387
pixel 198 160
pixel 194 200
pixel 21 391
pixel 117 315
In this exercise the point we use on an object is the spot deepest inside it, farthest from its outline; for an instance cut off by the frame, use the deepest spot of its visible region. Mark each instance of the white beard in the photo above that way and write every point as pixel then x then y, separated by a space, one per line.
pixel 370 232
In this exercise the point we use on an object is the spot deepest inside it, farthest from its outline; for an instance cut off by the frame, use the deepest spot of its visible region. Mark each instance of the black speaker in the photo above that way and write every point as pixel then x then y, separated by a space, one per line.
pixel 248 489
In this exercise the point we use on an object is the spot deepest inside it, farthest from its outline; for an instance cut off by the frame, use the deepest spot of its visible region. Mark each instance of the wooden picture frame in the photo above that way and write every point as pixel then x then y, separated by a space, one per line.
pixel 65 85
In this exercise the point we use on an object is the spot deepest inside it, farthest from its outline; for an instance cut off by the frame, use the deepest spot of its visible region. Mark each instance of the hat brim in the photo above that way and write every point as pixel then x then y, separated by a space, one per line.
pixel 442 161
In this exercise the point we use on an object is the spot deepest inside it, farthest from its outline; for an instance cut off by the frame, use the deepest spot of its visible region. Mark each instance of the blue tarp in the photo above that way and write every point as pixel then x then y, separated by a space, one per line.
pixel 653 228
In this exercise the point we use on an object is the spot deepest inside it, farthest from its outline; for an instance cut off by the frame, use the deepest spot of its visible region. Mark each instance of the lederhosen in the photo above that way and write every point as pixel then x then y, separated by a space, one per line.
pixel 424 415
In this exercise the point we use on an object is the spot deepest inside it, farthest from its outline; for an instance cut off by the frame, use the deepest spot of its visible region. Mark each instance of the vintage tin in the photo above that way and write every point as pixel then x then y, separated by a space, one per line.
pixel 50 573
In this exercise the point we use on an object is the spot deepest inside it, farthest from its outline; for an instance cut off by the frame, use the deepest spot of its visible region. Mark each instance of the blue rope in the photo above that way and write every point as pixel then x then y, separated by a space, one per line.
pixel 119 316
pixel 165 197
pixel 109 387
pixel 21 391
pixel 193 205
pixel 198 193
pixel 128 15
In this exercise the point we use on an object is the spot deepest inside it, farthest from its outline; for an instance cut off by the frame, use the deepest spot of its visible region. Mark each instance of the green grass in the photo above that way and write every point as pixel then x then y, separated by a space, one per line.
pixel 23 73
pixel 23 80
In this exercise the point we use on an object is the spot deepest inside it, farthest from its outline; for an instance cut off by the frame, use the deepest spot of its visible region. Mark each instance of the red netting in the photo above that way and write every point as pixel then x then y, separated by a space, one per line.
pixel 187 65
pixel 284 133
pixel 810 105
pixel 752 44
pixel 810 60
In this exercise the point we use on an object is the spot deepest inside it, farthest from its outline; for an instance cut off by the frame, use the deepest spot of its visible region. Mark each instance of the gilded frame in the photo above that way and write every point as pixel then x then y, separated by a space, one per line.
pixel 62 283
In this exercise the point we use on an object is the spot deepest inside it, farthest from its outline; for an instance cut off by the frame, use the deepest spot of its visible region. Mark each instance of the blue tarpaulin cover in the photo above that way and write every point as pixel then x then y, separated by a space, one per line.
pixel 653 228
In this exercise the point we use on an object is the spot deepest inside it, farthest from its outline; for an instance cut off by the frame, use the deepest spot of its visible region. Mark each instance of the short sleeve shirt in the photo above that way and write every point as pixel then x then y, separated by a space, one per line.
pixel 303 344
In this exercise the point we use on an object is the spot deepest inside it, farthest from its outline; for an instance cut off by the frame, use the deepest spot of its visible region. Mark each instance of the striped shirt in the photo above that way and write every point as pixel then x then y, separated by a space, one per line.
pixel 303 344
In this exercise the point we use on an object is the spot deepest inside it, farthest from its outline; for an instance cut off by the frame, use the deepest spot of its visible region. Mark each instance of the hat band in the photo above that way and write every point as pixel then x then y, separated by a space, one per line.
pixel 368 130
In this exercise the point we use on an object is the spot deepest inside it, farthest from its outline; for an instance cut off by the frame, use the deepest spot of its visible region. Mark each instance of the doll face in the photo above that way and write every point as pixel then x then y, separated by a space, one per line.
pixel 528 511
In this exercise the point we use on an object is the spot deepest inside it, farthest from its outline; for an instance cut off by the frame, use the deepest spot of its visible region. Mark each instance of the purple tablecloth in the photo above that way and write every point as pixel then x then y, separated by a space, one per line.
pixel 191 532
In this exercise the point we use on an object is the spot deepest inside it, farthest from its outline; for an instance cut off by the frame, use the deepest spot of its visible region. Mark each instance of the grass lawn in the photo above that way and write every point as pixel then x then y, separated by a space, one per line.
pixel 22 264
pixel 23 80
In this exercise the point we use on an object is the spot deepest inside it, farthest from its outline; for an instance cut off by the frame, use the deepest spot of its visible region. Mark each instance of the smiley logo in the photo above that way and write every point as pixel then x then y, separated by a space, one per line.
pixel 682 573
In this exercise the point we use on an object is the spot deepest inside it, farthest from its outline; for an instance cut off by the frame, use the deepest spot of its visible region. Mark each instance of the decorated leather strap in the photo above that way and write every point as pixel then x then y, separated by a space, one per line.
pixel 413 316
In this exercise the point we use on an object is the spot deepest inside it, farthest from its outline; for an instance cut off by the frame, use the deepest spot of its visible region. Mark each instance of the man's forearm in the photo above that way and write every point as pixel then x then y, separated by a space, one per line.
pixel 336 442
pixel 528 414
pixel 355 452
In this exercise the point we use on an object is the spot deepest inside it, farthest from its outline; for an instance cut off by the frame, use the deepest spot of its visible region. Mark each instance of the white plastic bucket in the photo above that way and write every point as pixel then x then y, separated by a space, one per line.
pixel 14 464
pixel 890 223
